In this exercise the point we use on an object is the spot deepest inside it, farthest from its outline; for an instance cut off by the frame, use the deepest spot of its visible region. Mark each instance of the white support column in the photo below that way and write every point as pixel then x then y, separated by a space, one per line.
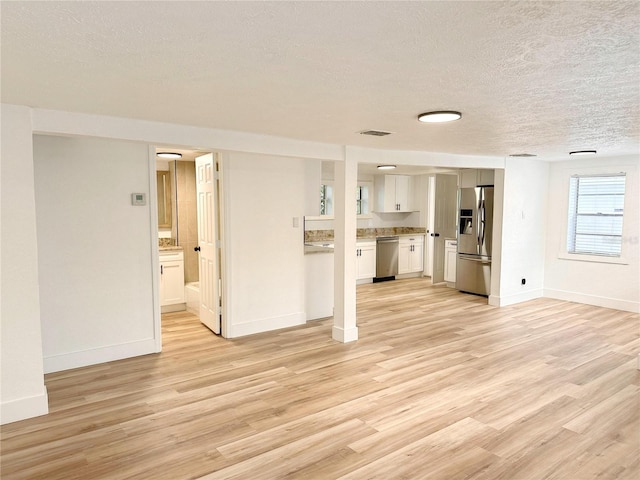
pixel 344 317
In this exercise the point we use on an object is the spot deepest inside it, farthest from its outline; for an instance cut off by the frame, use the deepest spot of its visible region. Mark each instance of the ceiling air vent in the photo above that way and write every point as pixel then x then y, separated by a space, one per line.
pixel 523 155
pixel 375 133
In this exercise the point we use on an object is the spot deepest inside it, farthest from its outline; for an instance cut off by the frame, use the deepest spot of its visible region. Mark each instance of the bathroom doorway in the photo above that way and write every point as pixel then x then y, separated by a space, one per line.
pixel 185 229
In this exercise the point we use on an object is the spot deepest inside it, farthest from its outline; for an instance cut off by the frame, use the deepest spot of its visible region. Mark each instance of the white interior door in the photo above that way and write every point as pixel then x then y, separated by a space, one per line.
pixel 207 236
pixel 429 240
pixel 446 206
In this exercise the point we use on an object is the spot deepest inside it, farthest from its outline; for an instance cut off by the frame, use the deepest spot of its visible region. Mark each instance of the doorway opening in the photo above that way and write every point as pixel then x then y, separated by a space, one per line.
pixel 189 232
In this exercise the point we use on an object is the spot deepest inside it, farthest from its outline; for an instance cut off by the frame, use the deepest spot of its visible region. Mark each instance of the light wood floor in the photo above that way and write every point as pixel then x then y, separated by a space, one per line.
pixel 439 386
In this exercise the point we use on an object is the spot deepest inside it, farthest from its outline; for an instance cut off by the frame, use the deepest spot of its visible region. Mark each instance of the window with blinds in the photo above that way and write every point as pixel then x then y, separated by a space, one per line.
pixel 596 207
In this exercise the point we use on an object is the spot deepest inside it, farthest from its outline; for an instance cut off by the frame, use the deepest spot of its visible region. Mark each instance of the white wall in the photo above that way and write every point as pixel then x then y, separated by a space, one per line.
pixel 22 393
pixel 94 250
pixel 605 284
pixel 265 252
pixel 312 182
pixel 524 219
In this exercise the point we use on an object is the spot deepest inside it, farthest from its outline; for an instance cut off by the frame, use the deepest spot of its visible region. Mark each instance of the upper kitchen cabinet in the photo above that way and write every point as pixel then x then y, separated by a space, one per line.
pixel 476 177
pixel 393 193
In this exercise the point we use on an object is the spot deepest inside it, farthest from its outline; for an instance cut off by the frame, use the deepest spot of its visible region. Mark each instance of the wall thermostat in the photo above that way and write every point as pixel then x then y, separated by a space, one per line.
pixel 138 199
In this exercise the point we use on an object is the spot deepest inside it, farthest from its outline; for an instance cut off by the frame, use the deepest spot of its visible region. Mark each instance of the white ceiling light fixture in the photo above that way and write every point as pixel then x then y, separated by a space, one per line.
pixel 583 152
pixel 386 167
pixel 169 155
pixel 439 116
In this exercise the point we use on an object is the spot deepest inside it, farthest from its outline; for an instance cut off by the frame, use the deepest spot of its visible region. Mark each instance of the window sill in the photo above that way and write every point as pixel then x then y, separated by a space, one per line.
pixel 593 258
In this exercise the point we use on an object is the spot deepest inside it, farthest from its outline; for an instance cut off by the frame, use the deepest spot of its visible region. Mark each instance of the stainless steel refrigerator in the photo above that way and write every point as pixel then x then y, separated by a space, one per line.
pixel 475 225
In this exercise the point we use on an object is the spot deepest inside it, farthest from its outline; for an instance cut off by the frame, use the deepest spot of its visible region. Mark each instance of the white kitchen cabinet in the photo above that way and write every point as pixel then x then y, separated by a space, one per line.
pixel 393 193
pixel 450 252
pixel 318 285
pixel 365 260
pixel 485 177
pixel 411 254
pixel 171 277
pixel 473 177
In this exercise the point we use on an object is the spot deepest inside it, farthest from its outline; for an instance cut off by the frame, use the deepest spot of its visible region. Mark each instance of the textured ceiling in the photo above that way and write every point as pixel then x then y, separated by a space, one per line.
pixel 538 77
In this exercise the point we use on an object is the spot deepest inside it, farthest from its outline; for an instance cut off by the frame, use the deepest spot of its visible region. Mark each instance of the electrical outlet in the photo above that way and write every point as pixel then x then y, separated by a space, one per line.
pixel 523 281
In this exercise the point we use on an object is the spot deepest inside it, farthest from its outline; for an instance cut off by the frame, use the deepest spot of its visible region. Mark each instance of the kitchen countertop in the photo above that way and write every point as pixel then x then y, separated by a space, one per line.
pixel 310 248
pixel 326 245
pixel 324 236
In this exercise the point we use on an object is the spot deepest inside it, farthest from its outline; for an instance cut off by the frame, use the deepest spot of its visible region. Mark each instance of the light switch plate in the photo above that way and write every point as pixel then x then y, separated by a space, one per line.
pixel 138 199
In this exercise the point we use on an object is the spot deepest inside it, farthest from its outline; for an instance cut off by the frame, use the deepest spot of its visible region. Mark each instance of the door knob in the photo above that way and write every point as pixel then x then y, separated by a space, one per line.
pixel 435 234
pixel 196 249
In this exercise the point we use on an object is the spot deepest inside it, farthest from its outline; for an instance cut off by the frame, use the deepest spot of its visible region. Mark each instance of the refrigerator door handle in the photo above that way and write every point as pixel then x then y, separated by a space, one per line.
pixel 479 222
pixel 475 259
pixel 483 218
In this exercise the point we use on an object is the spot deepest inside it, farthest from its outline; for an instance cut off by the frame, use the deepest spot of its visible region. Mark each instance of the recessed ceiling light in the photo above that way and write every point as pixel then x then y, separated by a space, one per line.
pixel 169 155
pixel 386 167
pixel 439 117
pixel 583 152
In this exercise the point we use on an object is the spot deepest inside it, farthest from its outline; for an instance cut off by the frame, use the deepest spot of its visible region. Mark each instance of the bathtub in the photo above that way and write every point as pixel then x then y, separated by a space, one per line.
pixel 192 297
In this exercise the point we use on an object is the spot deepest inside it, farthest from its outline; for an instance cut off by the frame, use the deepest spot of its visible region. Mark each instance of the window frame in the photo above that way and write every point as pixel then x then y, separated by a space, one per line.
pixel 574 215
pixel 564 252
pixel 368 200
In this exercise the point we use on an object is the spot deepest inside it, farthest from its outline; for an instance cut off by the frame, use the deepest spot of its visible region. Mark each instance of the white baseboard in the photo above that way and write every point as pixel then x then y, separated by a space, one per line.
pixel 606 302
pixel 66 361
pixel 503 301
pixel 266 324
pixel 176 307
pixel 345 336
pixel 23 408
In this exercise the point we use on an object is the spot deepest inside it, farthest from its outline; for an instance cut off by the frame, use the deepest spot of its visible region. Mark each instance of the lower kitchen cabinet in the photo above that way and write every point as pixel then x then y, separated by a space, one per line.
pixel 171 278
pixel 411 254
pixel 365 260
pixel 450 253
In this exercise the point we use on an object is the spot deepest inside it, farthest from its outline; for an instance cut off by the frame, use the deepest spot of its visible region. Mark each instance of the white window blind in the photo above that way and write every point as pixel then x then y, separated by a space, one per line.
pixel 596 207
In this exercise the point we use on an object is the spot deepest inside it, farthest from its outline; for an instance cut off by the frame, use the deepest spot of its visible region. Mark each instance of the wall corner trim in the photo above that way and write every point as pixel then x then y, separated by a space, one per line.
pixel 67 361
pixel 597 301
pixel 503 301
pixel 23 408
pixel 267 324
pixel 344 335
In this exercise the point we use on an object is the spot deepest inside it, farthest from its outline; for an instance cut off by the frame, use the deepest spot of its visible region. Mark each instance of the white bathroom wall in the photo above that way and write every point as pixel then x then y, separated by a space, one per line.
pixel 22 390
pixel 265 251
pixel 94 250
pixel 603 283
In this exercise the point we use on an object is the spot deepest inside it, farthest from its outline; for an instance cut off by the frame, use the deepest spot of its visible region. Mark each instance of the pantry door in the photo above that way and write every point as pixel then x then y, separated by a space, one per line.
pixel 207 245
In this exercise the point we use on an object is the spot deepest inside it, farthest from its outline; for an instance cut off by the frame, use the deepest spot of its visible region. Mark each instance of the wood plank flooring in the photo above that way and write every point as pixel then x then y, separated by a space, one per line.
pixel 439 386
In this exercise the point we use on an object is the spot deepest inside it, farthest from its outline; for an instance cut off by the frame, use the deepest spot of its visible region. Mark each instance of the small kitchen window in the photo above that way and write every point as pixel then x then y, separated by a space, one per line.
pixel 596 208
pixel 362 199
pixel 326 199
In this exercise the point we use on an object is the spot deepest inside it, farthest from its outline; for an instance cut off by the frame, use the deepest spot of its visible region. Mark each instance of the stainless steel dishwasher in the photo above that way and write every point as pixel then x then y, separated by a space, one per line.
pixel 386 258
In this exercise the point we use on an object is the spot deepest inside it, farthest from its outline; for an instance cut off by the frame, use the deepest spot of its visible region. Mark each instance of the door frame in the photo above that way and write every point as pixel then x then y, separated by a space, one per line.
pixel 155 250
pixel 220 159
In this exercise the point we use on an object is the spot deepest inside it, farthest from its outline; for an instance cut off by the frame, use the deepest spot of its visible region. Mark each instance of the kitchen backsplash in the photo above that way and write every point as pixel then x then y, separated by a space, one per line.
pixel 311 236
